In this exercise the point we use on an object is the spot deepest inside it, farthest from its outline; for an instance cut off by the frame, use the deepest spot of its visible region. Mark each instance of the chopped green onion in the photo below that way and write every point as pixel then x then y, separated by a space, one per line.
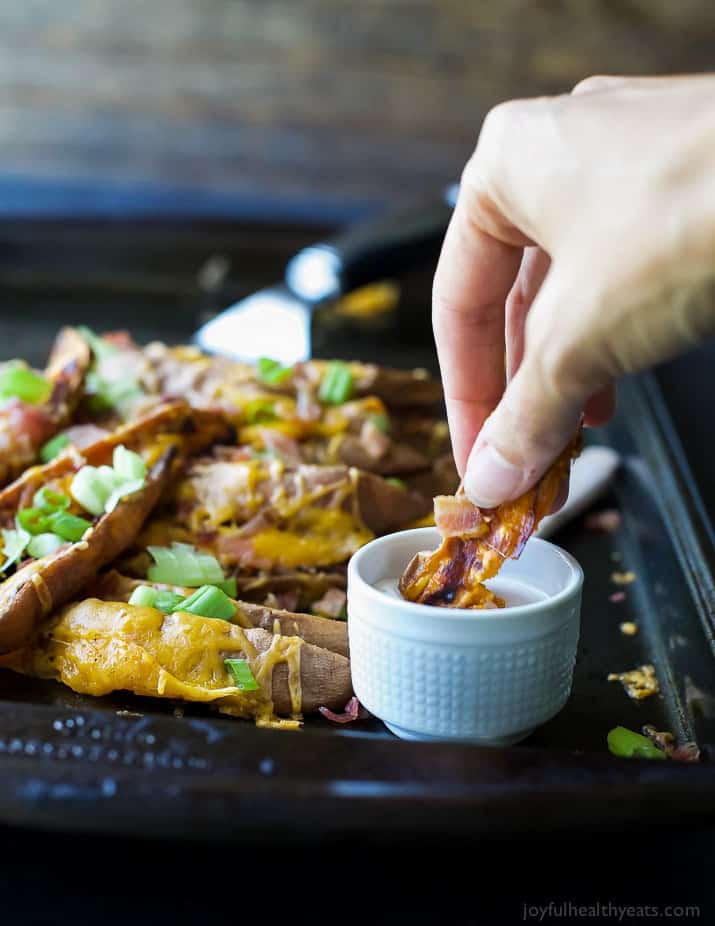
pixel 258 411
pixel 337 383
pixel 229 586
pixel 208 601
pixel 241 672
pixel 144 596
pixel 160 598
pixel 92 486
pixel 272 371
pixel 14 543
pixel 18 381
pixel 166 601
pixel 124 489
pixel 342 614
pixel 381 422
pixel 99 489
pixel 105 394
pixel 68 526
pixel 182 564
pixel 47 500
pixel 397 483
pixel 43 544
pixel 34 520
pixel 53 447
pixel 127 464
pixel 100 347
pixel 629 745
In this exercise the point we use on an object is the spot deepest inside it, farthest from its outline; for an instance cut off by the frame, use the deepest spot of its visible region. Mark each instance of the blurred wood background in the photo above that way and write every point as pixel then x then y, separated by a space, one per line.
pixel 373 100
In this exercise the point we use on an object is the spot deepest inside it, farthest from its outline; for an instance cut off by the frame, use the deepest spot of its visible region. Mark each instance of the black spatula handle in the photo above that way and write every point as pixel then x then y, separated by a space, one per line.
pixel 369 251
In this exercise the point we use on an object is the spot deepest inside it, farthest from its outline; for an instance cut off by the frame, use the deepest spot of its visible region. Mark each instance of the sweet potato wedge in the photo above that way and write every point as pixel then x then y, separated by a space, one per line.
pixel 320 631
pixel 96 647
pixel 40 586
pixel 24 428
pixel 172 423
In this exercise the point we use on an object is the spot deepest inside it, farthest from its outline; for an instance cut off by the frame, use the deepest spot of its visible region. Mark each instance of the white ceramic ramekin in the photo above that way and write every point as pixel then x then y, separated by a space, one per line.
pixel 486 677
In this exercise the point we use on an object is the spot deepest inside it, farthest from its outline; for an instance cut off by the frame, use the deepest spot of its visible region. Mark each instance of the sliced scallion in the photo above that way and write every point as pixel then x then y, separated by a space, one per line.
pixel 18 381
pixel 100 347
pixel 47 500
pixel 337 383
pixel 13 546
pixel 242 675
pixel 127 464
pixel 160 598
pixel 272 372
pixel 208 601
pixel 397 483
pixel 92 486
pixel 229 586
pixel 144 596
pixel 182 564
pixel 34 520
pixel 53 447
pixel 629 745
pixel 124 489
pixel 44 544
pixel 68 526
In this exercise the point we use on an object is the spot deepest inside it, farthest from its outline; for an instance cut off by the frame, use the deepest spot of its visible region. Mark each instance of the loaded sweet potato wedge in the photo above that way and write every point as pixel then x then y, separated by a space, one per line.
pixel 476 542
pixel 34 406
pixel 96 647
pixel 64 521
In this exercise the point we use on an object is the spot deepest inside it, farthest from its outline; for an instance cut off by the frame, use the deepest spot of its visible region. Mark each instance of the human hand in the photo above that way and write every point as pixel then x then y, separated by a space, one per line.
pixel 583 245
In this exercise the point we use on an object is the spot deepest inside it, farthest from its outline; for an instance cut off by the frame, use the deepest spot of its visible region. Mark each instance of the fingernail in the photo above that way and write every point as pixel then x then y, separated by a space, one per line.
pixel 490 479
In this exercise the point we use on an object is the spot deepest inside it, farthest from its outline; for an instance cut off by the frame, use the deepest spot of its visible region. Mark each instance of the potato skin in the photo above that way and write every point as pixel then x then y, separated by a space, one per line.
pixel 42 585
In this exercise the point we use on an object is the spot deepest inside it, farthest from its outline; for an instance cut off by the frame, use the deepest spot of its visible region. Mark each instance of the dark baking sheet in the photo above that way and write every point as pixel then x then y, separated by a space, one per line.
pixel 131 766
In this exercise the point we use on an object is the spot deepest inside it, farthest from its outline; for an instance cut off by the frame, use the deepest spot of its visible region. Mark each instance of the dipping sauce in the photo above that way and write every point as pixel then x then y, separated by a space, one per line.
pixel 513 592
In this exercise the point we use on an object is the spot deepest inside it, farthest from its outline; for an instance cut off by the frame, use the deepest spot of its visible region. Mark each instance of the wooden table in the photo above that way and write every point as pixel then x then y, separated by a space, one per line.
pixel 327 100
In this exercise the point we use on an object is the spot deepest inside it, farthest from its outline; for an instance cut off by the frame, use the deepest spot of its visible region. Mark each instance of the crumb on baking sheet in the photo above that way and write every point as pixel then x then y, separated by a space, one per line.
pixel 605 521
pixel 639 683
pixel 629 628
pixel 663 739
pixel 688 752
pixel 623 578
pixel 128 714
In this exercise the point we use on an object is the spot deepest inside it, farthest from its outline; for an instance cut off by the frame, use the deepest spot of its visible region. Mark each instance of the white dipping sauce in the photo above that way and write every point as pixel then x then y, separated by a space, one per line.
pixel 513 592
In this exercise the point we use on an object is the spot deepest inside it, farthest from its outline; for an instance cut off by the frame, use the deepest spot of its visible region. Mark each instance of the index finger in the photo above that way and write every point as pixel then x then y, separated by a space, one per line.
pixel 475 272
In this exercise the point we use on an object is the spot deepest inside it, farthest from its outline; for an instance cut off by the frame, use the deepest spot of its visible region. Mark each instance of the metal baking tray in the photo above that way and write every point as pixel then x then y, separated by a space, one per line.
pixel 125 765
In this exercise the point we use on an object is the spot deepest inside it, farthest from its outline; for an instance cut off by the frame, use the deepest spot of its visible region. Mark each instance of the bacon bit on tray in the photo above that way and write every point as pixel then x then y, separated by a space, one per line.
pixel 623 578
pixel 605 522
pixel 662 738
pixel 688 752
pixel 353 711
pixel 617 597
pixel 629 628
pixel 331 604
pixel 639 683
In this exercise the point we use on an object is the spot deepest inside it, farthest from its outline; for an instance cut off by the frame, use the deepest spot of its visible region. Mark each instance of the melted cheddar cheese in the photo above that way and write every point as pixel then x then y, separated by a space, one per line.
pixel 97 647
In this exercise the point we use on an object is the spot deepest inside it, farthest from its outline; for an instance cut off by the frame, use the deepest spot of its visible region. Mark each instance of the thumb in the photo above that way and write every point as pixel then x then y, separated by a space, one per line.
pixel 540 408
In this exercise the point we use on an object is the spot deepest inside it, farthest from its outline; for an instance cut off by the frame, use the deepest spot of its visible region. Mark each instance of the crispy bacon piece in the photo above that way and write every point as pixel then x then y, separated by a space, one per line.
pixel 456 516
pixel 453 575
pixel 353 711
